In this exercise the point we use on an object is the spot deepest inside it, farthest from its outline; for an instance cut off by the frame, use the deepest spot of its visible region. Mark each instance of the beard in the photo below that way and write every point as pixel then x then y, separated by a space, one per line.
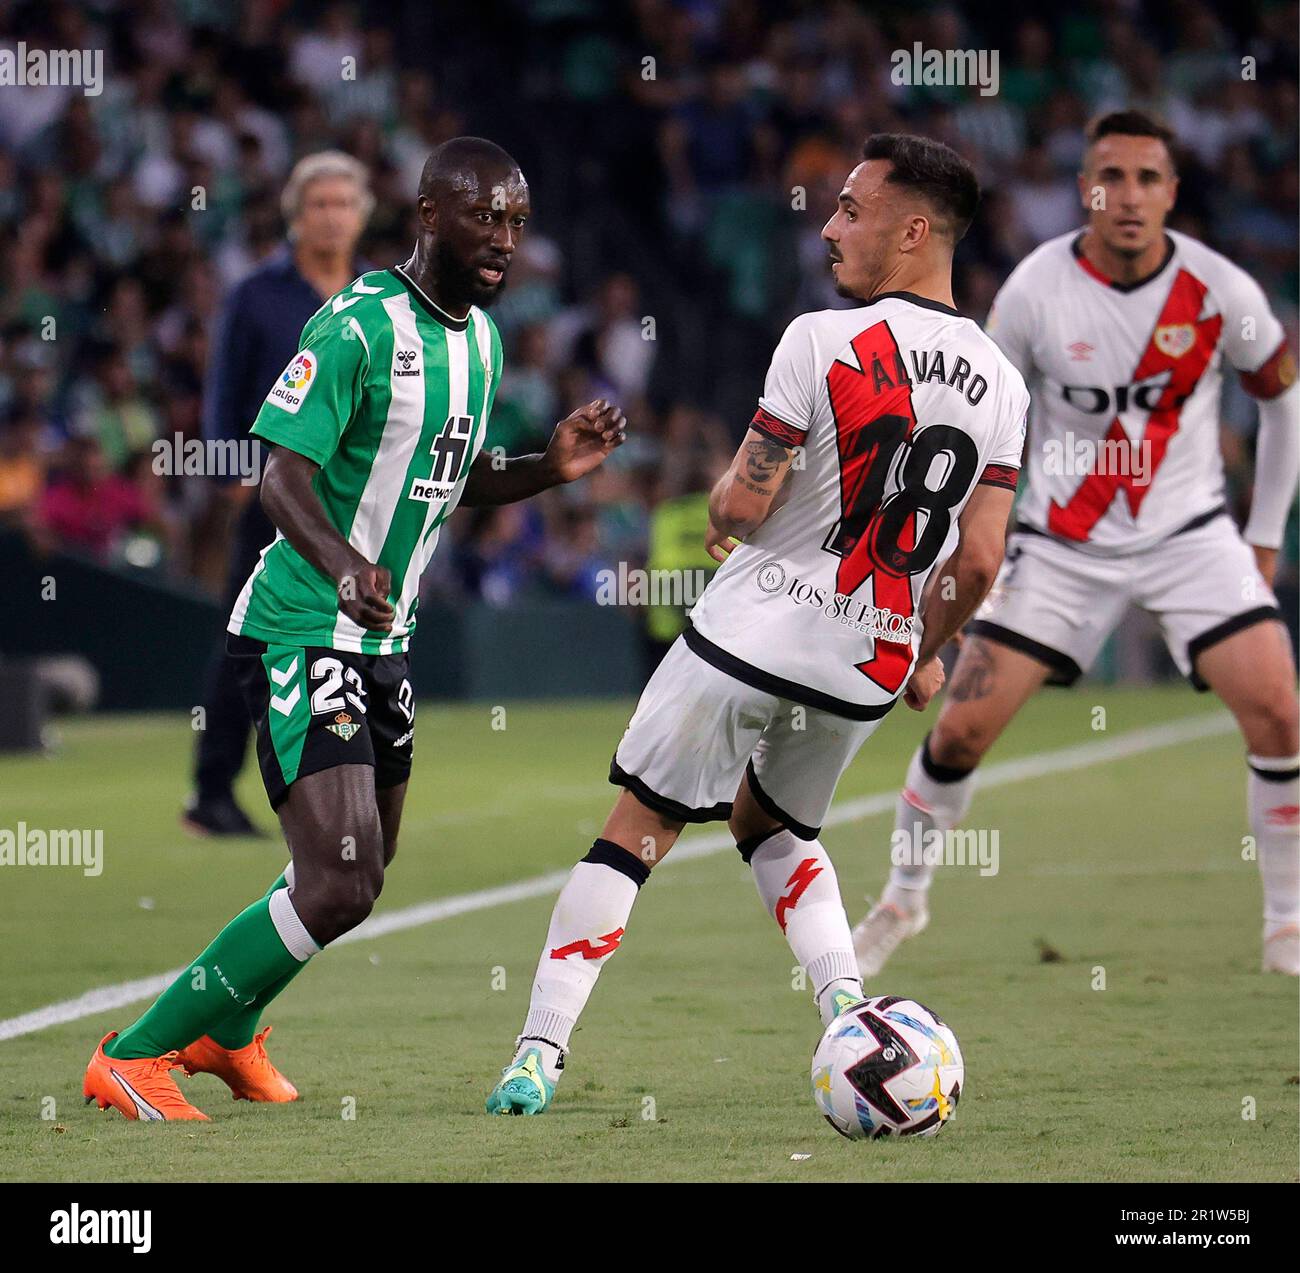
pixel 851 292
pixel 459 283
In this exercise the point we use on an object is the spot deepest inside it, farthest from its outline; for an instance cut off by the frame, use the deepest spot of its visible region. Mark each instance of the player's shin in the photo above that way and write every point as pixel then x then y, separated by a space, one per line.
pixel 587 926
pixel 238 1029
pixel 263 945
pixel 1273 801
pixel 796 880
pixel 934 799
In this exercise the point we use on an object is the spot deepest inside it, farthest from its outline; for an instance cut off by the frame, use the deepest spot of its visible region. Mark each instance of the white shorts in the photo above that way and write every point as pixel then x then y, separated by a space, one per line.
pixel 1058 604
pixel 697 730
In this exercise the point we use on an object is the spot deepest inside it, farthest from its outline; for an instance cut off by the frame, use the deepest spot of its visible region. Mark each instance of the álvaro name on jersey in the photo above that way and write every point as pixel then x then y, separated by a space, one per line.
pixel 901 408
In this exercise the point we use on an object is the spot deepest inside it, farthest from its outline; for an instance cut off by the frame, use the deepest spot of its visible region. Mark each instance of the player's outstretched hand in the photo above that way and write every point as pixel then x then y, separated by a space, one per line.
pixel 584 438
pixel 924 684
pixel 363 597
pixel 718 544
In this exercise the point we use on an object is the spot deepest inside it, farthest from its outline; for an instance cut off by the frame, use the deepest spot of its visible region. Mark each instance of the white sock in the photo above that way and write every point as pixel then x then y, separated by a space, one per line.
pixel 292 931
pixel 1272 797
pixel 797 883
pixel 934 798
pixel 587 926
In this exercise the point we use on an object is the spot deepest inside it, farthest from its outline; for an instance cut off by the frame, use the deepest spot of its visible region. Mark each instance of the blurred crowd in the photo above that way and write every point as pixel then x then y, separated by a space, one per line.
pixel 682 157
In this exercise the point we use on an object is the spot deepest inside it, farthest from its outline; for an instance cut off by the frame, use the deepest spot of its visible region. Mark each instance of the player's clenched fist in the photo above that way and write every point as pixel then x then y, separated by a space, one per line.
pixel 925 683
pixel 363 597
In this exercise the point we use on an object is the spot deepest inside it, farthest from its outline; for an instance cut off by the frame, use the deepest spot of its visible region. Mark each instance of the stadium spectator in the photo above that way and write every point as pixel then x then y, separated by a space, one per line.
pixel 22 470
pixel 325 204
pixel 690 188
pixel 88 508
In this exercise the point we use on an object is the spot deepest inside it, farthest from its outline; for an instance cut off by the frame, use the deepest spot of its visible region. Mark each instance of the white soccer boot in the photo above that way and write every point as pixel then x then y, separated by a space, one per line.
pixel 889 922
pixel 1282 949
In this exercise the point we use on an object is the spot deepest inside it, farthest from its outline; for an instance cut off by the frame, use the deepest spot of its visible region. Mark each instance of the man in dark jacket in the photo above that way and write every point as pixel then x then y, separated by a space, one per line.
pixel 325 204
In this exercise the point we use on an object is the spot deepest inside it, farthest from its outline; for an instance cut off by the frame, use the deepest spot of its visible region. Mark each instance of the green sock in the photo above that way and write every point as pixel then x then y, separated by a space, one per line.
pixel 247 957
pixel 238 1029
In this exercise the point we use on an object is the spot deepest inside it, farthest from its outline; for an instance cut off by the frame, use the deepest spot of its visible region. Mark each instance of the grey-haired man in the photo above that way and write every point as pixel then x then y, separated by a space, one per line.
pixel 326 203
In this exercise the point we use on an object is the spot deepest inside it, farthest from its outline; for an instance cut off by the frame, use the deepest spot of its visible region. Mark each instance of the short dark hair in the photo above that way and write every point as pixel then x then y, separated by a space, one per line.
pixel 935 171
pixel 1129 124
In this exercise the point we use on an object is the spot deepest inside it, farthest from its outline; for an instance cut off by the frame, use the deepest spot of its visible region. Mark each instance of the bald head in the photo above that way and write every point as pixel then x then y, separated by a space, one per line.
pixel 468 167
pixel 472 206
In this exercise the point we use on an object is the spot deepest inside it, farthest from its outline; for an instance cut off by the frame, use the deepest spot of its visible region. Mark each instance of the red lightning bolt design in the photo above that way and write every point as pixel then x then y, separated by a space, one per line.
pixel 804 874
pixel 608 945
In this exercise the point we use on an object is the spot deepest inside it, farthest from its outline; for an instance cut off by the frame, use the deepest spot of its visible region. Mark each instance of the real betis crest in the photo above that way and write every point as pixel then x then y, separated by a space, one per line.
pixel 344 726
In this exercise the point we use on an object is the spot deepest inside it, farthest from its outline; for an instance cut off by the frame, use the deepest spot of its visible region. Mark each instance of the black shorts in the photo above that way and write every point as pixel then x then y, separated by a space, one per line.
pixel 315 708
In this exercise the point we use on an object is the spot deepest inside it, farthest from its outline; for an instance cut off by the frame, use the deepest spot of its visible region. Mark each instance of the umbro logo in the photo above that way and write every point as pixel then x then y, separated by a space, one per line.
pixel 1080 351
pixel 406 357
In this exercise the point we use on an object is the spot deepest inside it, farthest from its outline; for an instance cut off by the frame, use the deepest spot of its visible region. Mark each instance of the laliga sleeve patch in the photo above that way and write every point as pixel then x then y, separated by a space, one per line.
pixel 295 384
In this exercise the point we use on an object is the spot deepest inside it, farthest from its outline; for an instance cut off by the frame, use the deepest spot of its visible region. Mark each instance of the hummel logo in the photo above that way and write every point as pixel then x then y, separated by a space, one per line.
pixel 286 703
pixel 406 357
pixel 282 676
pixel 1080 351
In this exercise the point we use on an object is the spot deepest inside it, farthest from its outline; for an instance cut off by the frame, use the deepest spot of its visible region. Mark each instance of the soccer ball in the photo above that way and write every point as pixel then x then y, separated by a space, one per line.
pixel 887 1067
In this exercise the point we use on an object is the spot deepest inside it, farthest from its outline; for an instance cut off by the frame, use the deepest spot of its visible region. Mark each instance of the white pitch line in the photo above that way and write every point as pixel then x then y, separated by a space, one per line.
pixel 1062 760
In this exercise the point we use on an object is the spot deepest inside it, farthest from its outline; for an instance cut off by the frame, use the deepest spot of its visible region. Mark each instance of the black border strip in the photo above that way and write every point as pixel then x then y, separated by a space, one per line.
pixel 1220 632
pixel 426 303
pixel 774 810
pixel 1201 519
pixel 778 685
pixel 1268 775
pixel 1065 671
pixel 1076 250
pixel 751 844
pixel 617 858
pixel 925 302
pixel 937 772
pixel 619 776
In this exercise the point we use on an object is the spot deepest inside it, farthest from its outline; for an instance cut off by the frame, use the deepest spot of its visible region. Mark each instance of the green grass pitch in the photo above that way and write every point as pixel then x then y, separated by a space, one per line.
pixel 692 1061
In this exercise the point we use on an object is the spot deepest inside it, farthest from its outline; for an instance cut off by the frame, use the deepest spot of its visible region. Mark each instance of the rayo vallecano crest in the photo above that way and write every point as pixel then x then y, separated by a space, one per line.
pixel 1175 339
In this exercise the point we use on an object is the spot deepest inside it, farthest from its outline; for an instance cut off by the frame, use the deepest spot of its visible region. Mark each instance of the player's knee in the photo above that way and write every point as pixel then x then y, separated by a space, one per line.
pixel 960 743
pixel 1272 726
pixel 745 829
pixel 749 820
pixel 340 899
pixel 348 902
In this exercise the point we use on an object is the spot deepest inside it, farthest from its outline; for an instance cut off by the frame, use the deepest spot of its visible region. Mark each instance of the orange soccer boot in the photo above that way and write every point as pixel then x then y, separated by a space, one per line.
pixel 140 1088
pixel 247 1071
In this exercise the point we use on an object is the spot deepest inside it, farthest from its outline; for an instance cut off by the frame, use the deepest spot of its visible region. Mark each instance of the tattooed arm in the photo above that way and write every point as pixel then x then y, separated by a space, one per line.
pixel 748 493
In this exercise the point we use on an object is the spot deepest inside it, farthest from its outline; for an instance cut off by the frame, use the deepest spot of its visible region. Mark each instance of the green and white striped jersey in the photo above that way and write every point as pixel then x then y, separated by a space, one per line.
pixel 390 396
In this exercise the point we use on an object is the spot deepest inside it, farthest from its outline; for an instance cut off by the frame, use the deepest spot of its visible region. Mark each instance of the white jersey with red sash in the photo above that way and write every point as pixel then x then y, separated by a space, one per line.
pixel 899 409
pixel 1126 381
